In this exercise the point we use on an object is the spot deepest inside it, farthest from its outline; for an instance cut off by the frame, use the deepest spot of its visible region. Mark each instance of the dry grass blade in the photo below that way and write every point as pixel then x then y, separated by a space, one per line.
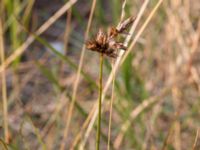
pixel 59 106
pixel 176 94
pixel 4 92
pixel 168 137
pixel 139 109
pixel 75 87
pixel 123 10
pixel 30 39
pixel 142 29
pixel 78 136
pixel 66 36
pixel 67 31
pixel 196 140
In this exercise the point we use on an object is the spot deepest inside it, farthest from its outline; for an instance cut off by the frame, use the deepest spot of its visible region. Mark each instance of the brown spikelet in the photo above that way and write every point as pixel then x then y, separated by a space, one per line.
pixel 101 37
pixel 92 45
pixel 125 24
pixel 112 32
pixel 106 43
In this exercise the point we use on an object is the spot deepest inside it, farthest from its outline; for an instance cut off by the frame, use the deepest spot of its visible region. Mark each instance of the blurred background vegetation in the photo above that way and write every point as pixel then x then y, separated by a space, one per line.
pixel 157 88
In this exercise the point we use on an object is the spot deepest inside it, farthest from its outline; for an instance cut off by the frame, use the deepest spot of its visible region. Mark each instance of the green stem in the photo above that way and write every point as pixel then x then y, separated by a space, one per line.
pixel 100 99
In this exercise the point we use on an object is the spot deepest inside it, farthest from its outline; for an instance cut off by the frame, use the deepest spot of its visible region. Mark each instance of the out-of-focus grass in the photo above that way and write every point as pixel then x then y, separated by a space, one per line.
pixel 13 9
pixel 163 55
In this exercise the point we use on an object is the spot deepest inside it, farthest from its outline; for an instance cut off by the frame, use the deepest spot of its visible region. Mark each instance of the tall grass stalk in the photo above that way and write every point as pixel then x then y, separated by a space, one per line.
pixel 99 102
pixel 111 108
pixel 196 140
pixel 4 92
pixel 67 30
pixel 79 135
pixel 76 83
pixel 66 37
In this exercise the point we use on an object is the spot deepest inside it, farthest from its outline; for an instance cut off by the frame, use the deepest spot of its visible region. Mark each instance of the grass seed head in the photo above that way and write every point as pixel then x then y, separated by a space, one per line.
pixel 106 43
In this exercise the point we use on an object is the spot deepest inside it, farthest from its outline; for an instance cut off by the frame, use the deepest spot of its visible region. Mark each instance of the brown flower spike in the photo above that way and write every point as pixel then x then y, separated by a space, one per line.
pixel 106 43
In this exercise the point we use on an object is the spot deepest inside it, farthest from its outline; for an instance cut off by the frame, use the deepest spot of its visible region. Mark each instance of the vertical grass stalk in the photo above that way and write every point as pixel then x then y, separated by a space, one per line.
pixel 76 83
pixel 4 92
pixel 99 102
pixel 111 108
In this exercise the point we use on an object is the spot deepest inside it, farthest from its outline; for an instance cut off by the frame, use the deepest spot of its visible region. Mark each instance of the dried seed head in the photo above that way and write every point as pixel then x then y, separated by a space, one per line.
pixel 112 32
pixel 111 53
pixel 92 45
pixel 106 43
pixel 125 24
pixel 116 45
pixel 101 37
pixel 119 45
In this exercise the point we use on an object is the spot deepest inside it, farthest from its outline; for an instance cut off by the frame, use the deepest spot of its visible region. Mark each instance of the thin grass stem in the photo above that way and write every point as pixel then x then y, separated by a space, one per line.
pixel 111 108
pixel 99 102
pixel 76 83
pixel 196 140
pixel 4 91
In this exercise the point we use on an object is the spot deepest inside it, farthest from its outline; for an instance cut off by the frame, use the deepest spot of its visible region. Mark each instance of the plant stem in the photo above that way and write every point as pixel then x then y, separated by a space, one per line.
pixel 111 108
pixel 99 104
pixel 3 84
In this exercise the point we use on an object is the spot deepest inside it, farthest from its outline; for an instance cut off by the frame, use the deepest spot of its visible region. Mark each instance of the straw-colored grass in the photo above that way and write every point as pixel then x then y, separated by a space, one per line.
pixel 3 83
pixel 76 83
